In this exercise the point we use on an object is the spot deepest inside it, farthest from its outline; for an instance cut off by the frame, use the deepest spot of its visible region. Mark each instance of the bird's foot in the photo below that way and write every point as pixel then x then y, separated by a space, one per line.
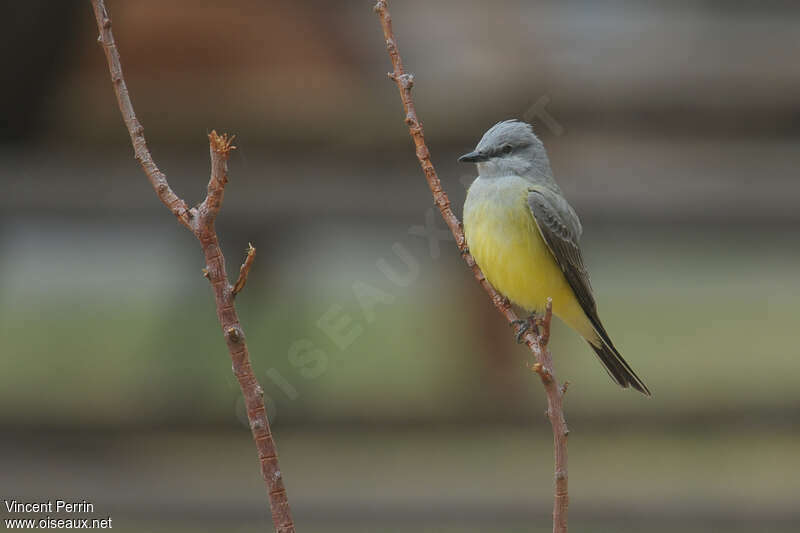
pixel 523 325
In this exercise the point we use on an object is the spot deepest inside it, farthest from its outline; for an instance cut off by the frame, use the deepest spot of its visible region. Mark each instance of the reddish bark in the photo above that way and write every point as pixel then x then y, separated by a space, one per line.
pixel 535 339
pixel 200 221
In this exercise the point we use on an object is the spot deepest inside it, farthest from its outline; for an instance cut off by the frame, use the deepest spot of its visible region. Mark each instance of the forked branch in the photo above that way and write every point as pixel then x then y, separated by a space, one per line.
pixel 200 221
pixel 535 339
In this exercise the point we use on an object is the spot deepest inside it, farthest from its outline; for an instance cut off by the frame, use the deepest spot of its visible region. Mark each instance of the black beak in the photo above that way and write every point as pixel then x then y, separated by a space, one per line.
pixel 473 157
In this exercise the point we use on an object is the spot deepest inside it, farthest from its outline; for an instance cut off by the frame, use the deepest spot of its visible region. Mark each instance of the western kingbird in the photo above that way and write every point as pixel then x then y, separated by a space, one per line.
pixel 524 236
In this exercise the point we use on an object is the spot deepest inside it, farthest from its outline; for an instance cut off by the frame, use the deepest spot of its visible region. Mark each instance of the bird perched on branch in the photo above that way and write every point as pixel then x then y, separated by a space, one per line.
pixel 524 236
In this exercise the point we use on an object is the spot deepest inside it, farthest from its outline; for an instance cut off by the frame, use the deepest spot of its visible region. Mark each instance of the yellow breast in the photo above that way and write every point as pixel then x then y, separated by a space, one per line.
pixel 506 243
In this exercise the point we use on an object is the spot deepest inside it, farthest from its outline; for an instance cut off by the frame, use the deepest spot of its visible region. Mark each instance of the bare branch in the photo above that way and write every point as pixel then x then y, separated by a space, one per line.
pixel 135 129
pixel 537 343
pixel 220 147
pixel 244 270
pixel 200 221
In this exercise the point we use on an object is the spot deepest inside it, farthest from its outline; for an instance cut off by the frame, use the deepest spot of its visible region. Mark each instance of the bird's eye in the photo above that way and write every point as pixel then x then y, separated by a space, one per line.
pixel 506 149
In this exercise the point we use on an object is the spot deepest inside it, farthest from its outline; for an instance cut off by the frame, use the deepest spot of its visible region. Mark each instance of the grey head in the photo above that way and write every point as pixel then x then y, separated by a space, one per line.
pixel 510 148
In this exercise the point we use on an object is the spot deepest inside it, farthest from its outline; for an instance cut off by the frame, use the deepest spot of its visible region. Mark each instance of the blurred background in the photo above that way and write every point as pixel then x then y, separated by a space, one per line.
pixel 399 399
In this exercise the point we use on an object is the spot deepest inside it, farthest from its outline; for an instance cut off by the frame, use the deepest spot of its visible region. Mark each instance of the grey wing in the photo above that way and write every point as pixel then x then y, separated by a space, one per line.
pixel 561 229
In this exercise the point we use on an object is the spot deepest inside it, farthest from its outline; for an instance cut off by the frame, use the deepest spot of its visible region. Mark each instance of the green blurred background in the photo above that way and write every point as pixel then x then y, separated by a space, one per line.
pixel 674 129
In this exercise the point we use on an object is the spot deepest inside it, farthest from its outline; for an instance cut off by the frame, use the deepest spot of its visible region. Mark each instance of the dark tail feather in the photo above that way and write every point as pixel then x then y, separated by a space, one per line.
pixel 618 368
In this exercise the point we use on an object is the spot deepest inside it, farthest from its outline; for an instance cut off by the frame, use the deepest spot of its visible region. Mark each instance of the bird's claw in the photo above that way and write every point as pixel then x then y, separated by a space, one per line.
pixel 523 325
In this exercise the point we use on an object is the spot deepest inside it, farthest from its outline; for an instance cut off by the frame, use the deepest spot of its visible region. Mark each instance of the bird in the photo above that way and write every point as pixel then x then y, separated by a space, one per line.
pixel 524 236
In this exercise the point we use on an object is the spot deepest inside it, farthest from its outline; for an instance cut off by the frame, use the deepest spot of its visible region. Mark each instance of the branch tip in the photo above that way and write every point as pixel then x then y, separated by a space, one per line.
pixel 546 321
pixel 221 144
pixel 244 270
pixel 380 6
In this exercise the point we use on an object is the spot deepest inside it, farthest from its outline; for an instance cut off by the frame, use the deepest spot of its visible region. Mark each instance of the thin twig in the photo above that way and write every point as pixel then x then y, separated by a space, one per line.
pixel 200 221
pixel 536 343
pixel 157 178
pixel 244 270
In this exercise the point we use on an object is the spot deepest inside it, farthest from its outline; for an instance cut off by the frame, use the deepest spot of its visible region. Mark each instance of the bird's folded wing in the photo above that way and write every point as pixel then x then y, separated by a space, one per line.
pixel 561 229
